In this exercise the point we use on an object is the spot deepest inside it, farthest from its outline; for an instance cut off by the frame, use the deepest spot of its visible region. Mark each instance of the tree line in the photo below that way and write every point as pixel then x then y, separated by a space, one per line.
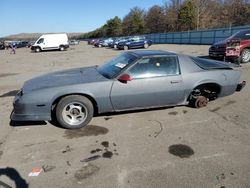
pixel 176 15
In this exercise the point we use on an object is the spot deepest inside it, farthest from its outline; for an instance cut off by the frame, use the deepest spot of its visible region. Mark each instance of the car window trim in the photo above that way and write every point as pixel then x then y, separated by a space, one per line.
pixel 154 56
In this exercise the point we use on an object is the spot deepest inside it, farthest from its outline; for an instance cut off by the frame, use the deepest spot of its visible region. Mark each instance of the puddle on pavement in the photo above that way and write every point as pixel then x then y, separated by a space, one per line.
pixel 86 172
pixel 180 150
pixel 105 144
pixel 107 154
pixel 10 94
pixel 95 151
pixel 173 113
pixel 90 130
pixel 7 74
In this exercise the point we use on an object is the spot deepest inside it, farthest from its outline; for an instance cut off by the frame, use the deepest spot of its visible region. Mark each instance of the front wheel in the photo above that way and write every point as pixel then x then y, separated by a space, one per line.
pixel 146 45
pixel 245 56
pixel 37 49
pixel 62 48
pixel 74 111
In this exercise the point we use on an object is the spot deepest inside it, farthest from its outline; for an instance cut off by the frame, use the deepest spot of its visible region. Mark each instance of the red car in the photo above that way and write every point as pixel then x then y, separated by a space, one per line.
pixel 235 47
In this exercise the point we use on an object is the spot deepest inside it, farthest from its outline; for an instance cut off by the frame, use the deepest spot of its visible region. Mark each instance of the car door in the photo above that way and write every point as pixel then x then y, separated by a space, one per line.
pixel 41 43
pixel 156 81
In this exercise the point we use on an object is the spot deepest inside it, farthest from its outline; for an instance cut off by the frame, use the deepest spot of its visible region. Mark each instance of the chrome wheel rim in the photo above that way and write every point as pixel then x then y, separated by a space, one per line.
pixel 246 56
pixel 125 48
pixel 74 113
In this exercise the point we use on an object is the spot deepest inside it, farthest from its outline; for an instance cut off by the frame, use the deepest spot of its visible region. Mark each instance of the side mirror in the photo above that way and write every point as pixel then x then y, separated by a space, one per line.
pixel 124 78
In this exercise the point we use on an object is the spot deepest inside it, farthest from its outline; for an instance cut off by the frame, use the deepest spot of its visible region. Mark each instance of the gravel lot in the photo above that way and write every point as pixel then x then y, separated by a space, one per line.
pixel 169 147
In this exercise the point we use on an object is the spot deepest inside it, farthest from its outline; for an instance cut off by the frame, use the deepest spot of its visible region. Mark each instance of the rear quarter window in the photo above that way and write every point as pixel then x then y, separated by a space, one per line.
pixel 208 64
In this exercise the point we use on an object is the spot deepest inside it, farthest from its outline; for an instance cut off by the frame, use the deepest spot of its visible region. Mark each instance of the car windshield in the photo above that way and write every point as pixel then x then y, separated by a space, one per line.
pixel 113 67
pixel 239 34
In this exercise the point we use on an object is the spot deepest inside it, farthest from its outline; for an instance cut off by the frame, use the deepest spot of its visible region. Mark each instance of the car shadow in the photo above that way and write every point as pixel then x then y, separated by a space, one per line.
pixel 55 123
pixel 132 111
pixel 26 123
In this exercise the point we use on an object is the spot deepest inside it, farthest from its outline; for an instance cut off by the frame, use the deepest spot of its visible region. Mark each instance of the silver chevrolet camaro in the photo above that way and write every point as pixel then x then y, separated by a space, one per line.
pixel 132 80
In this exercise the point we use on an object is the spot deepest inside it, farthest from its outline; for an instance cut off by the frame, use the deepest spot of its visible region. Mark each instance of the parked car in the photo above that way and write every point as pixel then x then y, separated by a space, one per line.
pixel 107 41
pixel 22 44
pixel 134 42
pixel 116 41
pixel 92 41
pixel 51 42
pixel 74 42
pixel 133 80
pixel 1 46
pixel 236 46
pixel 99 43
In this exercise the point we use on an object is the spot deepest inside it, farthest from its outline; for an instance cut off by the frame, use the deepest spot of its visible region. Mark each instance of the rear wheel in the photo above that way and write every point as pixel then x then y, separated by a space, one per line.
pixel 99 45
pixel 245 56
pixel 115 46
pixel 125 47
pixel 200 102
pixel 146 45
pixel 74 111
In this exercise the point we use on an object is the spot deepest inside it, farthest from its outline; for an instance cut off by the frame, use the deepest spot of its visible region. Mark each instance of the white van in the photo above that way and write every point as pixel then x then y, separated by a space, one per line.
pixel 51 42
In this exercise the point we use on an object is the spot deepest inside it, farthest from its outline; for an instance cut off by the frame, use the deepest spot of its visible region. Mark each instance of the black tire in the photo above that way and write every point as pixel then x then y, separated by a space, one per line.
pixel 61 48
pixel 245 55
pixel 74 111
pixel 125 47
pixel 37 49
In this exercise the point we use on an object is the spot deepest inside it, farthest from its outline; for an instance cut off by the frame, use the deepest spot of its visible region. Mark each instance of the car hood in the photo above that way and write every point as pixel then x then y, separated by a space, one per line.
pixel 64 78
pixel 220 43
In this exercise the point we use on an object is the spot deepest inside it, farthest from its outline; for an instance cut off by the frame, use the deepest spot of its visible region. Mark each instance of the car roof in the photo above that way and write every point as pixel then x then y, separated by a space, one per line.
pixel 143 53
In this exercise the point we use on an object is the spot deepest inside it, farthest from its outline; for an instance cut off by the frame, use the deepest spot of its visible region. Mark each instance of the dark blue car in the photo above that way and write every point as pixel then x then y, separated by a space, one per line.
pixel 134 42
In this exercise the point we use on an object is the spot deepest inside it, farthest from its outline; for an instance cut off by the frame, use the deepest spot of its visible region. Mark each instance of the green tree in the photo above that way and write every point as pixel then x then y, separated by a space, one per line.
pixel 133 23
pixel 187 16
pixel 154 19
pixel 114 27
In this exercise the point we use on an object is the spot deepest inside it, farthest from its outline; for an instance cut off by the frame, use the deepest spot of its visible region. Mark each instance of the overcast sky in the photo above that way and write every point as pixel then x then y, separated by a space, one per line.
pixel 30 16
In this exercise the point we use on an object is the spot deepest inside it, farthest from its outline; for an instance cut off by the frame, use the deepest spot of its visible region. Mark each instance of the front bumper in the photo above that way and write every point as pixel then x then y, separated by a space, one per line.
pixel 27 117
pixel 25 110
pixel 216 53
pixel 240 86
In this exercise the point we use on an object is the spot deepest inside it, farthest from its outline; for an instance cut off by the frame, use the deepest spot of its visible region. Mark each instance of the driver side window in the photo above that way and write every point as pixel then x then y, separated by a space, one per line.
pixel 155 67
pixel 41 40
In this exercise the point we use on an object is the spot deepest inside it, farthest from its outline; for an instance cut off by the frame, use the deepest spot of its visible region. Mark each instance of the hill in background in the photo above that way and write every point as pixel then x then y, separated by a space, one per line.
pixel 34 36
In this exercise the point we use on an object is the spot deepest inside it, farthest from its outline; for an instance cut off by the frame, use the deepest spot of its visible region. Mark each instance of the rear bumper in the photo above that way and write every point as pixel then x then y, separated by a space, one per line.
pixel 240 86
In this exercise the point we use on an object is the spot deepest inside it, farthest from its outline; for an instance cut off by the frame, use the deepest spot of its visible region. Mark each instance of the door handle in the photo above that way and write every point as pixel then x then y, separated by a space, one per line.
pixel 175 81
